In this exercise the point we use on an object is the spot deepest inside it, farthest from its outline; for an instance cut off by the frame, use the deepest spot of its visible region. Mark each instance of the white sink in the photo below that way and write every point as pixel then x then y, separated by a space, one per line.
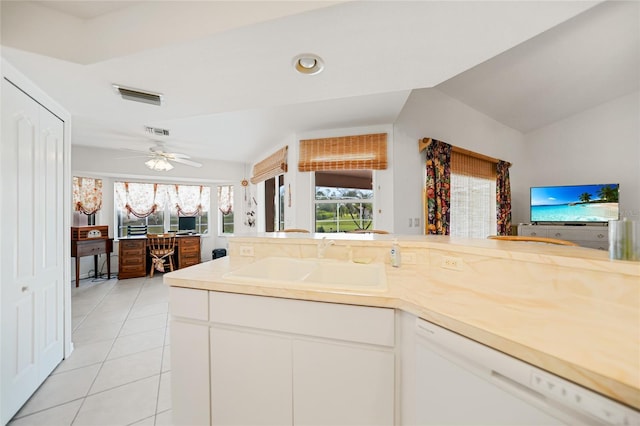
pixel 310 272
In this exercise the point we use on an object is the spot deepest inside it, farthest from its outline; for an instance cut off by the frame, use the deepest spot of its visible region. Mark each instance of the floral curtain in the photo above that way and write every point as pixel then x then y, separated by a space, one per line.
pixel 87 194
pixel 438 191
pixel 225 199
pixel 189 200
pixel 144 199
pixel 138 199
pixel 503 198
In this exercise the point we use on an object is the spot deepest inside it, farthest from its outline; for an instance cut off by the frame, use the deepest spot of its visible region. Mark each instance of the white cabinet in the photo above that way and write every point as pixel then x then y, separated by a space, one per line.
pixel 586 236
pixel 251 378
pixel 342 384
pixel 278 361
pixel 190 356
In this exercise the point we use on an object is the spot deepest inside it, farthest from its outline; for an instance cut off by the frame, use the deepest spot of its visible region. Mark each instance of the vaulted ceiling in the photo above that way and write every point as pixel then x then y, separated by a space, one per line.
pixel 230 90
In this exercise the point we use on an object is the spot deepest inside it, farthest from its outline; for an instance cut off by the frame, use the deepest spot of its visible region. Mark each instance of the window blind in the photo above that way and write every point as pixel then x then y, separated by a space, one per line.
pixel 473 195
pixel 344 153
pixel 472 165
pixel 272 166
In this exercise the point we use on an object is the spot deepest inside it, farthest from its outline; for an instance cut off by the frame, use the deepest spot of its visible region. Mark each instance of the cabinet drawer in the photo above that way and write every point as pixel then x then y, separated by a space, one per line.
pixel 133 252
pixel 532 231
pixel 132 244
pixel 190 249
pixel 189 303
pixel 125 269
pixel 131 260
pixel 335 321
pixel 91 248
pixel 582 234
pixel 189 242
pixel 189 262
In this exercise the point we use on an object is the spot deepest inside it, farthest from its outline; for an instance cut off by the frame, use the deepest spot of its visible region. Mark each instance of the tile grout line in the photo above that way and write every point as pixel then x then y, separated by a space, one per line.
pixel 93 309
pixel 164 341
pixel 110 349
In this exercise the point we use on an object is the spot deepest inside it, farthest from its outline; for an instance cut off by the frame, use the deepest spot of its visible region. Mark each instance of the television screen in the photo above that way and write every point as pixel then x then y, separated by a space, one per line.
pixel 187 223
pixel 575 204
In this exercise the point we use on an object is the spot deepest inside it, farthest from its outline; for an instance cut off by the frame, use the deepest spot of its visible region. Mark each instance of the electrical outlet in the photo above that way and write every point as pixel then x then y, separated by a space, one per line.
pixel 451 262
pixel 410 223
pixel 416 222
pixel 246 250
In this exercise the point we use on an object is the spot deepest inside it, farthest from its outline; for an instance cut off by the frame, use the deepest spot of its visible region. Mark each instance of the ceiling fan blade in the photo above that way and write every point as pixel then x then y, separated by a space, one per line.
pixel 187 162
pixel 172 155
pixel 131 156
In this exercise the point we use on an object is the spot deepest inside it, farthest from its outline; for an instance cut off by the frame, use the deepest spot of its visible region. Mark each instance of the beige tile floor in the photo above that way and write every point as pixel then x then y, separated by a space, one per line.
pixel 119 372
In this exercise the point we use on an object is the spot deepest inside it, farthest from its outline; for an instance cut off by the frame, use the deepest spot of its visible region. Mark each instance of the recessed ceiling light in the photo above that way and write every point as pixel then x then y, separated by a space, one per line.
pixel 308 63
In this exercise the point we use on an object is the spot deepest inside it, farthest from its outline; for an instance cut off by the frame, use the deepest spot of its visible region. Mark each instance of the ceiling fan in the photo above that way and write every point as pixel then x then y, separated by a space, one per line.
pixel 159 159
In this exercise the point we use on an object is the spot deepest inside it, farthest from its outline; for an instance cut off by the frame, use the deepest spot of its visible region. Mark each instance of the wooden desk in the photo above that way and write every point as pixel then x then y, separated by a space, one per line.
pixel 81 248
pixel 133 255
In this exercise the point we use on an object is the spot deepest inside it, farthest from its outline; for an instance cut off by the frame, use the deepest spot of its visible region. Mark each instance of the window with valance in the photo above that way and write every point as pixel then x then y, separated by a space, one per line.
pixel 87 195
pixel 158 205
pixel 225 207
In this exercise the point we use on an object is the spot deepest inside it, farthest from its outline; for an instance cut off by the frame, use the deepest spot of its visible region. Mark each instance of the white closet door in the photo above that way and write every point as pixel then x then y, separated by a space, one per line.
pixel 31 246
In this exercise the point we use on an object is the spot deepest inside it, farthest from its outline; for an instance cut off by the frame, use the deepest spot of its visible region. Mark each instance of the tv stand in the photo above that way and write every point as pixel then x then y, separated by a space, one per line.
pixel 586 236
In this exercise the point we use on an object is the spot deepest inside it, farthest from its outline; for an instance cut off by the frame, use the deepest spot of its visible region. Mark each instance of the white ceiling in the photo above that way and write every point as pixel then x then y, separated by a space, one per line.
pixel 225 68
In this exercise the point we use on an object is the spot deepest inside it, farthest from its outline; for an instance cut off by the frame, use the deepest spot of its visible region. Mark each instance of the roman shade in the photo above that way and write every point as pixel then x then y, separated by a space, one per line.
pixel 87 194
pixel 344 153
pixel 273 165
pixel 472 165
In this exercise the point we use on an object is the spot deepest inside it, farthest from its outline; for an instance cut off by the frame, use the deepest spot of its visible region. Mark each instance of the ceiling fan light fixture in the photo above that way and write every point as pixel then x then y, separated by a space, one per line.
pixel 159 164
pixel 308 63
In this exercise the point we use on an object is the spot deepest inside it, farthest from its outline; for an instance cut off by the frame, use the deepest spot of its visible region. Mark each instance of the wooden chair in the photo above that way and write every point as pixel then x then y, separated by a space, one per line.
pixel 532 239
pixel 369 231
pixel 295 230
pixel 161 248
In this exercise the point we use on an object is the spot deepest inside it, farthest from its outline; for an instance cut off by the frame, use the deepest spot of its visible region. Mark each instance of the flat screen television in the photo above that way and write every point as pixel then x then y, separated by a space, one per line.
pixel 187 223
pixel 577 204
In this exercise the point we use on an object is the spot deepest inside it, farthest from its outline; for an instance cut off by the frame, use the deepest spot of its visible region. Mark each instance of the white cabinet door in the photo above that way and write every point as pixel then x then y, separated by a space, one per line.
pixel 342 384
pixel 250 378
pixel 32 246
pixel 190 373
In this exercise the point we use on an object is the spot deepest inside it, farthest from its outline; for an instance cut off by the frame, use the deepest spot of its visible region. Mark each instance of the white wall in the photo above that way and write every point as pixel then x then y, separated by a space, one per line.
pixel 599 145
pixel 431 113
pixel 110 166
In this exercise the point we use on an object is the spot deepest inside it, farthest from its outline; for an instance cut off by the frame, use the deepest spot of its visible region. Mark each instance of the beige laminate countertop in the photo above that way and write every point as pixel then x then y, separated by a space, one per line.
pixel 568 310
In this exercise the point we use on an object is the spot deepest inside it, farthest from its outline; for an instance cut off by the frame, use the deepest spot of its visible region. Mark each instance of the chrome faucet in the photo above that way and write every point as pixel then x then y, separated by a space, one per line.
pixel 323 245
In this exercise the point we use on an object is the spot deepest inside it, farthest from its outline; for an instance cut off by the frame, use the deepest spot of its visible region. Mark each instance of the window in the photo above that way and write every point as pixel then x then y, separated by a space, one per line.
pixel 343 200
pixel 225 209
pixel 274 195
pixel 473 196
pixel 158 206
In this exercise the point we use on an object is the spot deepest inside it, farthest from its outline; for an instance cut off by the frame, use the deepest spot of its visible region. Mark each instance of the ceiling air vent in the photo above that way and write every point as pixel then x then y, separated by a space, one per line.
pixel 138 95
pixel 156 131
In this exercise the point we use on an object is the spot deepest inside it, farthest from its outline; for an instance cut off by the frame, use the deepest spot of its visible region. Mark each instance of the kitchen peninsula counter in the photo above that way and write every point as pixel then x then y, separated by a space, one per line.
pixel 568 310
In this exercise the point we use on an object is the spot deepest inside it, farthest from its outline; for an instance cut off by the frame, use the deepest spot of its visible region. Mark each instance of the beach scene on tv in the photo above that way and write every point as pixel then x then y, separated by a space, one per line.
pixel 581 203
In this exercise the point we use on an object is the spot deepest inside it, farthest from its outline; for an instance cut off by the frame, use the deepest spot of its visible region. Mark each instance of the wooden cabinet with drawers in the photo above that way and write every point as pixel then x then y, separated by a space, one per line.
pixel 133 255
pixel 188 251
pixel 132 258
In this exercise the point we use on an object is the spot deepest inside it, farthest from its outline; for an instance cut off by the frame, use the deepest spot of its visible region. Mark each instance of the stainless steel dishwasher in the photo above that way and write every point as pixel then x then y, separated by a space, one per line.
pixel 460 381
